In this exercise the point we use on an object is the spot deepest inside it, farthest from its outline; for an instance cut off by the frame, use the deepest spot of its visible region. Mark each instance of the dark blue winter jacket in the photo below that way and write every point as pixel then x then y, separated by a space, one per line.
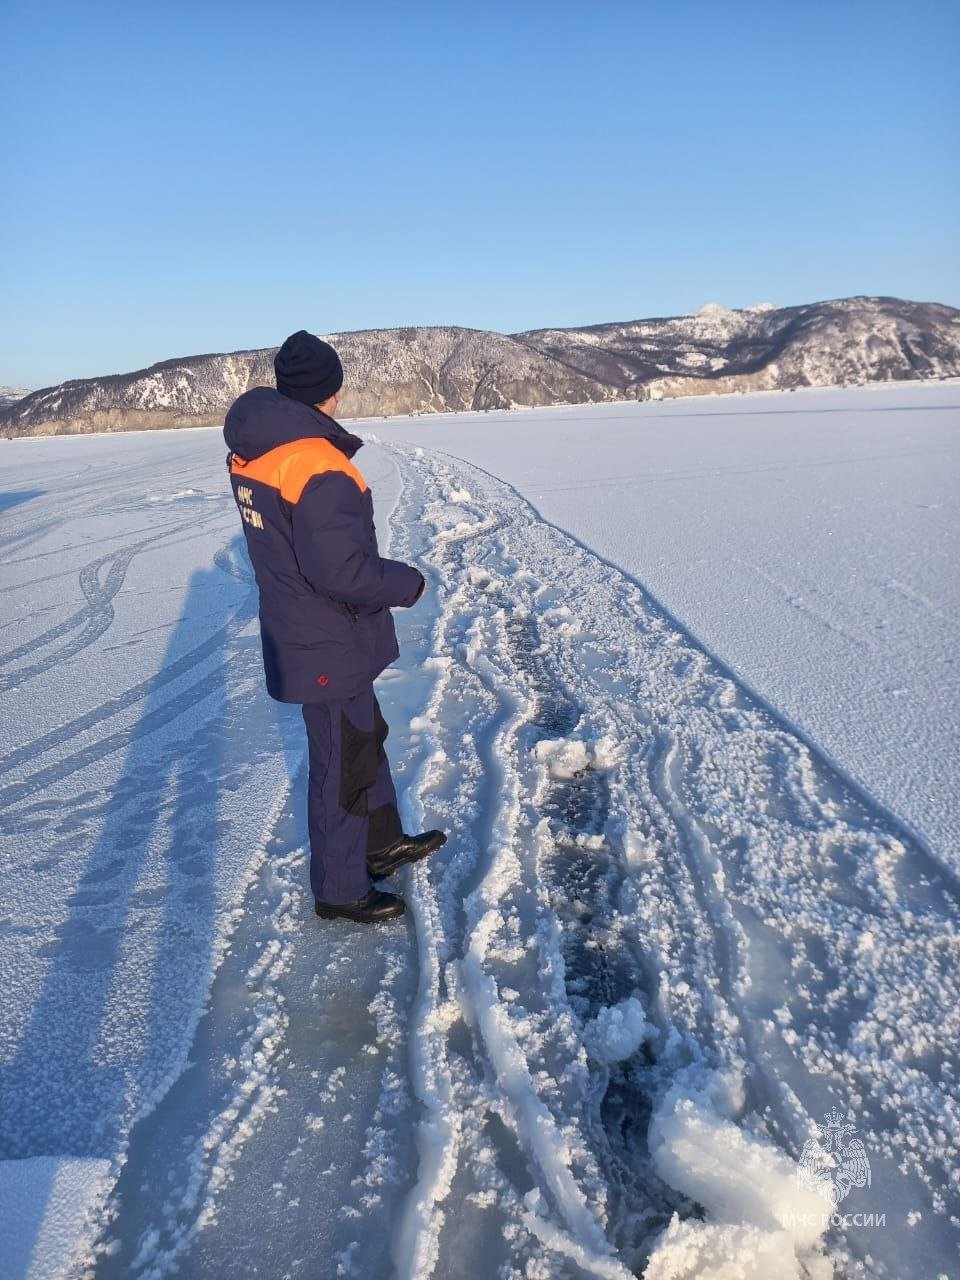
pixel 325 590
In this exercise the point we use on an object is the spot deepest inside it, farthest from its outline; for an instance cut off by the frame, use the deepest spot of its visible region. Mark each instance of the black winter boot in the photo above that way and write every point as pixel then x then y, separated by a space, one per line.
pixel 370 909
pixel 408 849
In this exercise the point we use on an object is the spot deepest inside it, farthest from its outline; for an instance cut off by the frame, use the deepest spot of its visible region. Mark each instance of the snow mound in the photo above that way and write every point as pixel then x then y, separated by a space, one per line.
pixel 180 495
pixel 761 1221
pixel 702 1251
pixel 617 1032
pixel 562 619
pixel 567 757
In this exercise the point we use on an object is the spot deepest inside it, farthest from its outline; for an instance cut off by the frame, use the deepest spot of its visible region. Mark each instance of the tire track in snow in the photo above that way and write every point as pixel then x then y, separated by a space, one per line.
pixel 716 842
pixel 90 622
pixel 30 782
pixel 293 1108
pixel 93 619
pixel 240 1085
pixel 459 991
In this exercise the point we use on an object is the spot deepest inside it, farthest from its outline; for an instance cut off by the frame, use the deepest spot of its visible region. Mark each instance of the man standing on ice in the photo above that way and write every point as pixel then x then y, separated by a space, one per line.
pixel 325 622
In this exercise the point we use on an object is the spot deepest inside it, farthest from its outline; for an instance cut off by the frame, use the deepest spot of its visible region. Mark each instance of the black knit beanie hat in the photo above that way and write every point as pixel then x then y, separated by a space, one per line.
pixel 307 368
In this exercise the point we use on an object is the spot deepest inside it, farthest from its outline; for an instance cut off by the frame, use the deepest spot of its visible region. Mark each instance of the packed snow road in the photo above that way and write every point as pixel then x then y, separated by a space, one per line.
pixel 665 941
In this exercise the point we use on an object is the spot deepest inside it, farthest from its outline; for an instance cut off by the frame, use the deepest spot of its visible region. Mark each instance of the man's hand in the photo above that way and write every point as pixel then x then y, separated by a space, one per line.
pixel 423 583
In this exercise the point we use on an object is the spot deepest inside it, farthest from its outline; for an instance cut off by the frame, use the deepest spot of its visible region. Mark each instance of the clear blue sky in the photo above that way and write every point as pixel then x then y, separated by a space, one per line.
pixel 183 178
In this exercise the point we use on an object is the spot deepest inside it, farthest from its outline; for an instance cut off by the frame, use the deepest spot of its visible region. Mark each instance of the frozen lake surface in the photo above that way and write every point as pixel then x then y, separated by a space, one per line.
pixel 682 689
pixel 810 540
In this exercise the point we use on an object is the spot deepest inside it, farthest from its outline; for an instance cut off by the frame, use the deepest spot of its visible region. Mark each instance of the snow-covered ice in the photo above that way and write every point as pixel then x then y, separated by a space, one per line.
pixel 45 1202
pixel 808 539
pixel 670 935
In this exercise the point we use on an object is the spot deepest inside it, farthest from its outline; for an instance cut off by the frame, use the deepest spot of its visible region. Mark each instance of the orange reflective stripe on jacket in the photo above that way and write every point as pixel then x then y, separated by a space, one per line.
pixel 290 467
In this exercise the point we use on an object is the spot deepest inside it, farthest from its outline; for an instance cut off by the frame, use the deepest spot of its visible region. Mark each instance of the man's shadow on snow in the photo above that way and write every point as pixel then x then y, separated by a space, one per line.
pixel 131 963
pixel 15 497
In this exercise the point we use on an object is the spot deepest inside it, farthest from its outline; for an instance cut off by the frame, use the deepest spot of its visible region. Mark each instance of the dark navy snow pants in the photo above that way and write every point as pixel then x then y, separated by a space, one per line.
pixel 352 804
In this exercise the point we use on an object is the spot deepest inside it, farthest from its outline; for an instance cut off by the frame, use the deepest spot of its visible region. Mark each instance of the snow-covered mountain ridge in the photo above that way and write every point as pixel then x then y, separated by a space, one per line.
pixel 10 395
pixel 444 368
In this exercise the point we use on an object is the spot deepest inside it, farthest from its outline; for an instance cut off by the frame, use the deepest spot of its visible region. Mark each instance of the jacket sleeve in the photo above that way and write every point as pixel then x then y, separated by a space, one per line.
pixel 333 551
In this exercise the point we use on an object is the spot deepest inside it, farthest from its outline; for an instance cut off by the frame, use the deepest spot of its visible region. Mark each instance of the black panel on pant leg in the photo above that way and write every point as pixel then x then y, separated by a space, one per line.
pixel 380 728
pixel 358 766
pixel 385 828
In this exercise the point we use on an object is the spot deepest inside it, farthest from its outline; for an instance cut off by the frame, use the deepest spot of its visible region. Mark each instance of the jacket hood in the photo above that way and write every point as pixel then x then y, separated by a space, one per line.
pixel 263 419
